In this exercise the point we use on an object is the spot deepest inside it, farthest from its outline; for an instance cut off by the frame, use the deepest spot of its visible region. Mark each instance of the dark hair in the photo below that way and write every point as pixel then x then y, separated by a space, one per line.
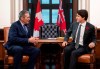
pixel 22 13
pixel 83 13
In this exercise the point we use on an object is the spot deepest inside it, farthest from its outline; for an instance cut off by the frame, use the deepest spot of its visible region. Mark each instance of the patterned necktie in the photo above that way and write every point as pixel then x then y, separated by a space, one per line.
pixel 78 37
pixel 25 28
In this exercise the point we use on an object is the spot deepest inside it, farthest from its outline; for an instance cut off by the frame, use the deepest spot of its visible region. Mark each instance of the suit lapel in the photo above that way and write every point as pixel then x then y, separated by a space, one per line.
pixel 75 30
pixel 28 29
pixel 86 31
pixel 21 28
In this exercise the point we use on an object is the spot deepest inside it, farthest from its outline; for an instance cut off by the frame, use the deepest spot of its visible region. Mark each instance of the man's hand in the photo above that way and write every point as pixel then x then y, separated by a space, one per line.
pixel 33 40
pixel 36 40
pixel 64 43
pixel 92 44
pixel 70 39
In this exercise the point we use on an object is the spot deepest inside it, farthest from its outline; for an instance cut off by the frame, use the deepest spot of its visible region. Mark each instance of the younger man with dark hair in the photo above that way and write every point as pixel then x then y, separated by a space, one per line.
pixel 83 35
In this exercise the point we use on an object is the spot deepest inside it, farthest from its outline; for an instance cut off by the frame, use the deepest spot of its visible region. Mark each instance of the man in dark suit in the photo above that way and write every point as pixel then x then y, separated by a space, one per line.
pixel 83 39
pixel 20 42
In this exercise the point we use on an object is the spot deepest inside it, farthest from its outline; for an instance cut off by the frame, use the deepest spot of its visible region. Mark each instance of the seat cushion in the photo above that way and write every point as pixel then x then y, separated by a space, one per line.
pixel 10 59
pixel 84 58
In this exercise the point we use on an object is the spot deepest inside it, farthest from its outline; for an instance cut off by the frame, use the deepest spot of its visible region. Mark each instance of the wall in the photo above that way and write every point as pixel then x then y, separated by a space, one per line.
pixel 84 4
pixel 92 6
pixel 9 11
pixel 95 12
pixel 4 13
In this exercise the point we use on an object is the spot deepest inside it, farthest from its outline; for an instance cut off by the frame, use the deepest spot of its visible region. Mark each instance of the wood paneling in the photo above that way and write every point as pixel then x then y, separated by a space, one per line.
pixel 1 50
pixel 1 34
pixel 1 42
pixel 98 34
pixel 25 4
pixel 97 50
pixel 75 5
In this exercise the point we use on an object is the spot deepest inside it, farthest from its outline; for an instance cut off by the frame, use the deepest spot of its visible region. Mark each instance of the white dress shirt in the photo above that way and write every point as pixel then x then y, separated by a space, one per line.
pixel 24 27
pixel 81 33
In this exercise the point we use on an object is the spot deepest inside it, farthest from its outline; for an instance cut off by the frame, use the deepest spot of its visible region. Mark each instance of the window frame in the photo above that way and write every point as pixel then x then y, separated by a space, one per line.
pixel 74 7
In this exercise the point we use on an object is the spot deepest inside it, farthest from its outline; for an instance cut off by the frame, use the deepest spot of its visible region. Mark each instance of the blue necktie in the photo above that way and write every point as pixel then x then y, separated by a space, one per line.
pixel 78 37
pixel 25 29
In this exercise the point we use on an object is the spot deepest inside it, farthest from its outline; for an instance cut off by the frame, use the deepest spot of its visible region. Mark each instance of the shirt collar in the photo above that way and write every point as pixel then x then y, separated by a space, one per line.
pixel 21 23
pixel 83 24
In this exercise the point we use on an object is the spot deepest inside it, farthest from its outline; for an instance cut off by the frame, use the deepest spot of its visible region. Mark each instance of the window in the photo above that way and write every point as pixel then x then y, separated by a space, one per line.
pixel 51 6
pixel 54 15
pixel 50 10
pixel 45 15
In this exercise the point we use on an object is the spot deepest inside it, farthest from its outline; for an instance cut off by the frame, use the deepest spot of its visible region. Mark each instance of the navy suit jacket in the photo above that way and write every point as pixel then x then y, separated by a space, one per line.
pixel 17 36
pixel 89 34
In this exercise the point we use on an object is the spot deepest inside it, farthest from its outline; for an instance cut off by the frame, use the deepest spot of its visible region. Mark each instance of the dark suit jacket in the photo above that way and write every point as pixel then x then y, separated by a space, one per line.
pixel 89 34
pixel 17 36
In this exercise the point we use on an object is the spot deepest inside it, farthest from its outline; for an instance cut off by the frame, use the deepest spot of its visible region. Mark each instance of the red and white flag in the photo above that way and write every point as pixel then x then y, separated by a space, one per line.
pixel 38 20
pixel 61 18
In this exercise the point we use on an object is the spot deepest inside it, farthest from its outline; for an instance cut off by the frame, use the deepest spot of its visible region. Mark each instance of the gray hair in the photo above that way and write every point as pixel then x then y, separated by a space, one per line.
pixel 22 13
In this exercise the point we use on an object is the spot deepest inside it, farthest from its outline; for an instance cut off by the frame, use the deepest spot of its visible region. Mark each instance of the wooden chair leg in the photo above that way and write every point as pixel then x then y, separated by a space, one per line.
pixel 6 66
pixel 62 60
pixel 38 63
pixel 91 66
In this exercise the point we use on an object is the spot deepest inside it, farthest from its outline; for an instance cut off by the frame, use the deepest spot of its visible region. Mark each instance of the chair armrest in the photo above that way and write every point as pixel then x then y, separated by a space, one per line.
pixel 92 55
pixel 5 52
pixel 4 44
pixel 5 55
pixel 93 51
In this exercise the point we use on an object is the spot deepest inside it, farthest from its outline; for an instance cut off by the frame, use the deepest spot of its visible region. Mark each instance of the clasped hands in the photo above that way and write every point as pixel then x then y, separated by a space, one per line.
pixel 33 40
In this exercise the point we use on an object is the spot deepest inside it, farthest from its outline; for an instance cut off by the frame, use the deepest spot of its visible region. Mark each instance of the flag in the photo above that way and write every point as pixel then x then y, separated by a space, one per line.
pixel 61 18
pixel 38 20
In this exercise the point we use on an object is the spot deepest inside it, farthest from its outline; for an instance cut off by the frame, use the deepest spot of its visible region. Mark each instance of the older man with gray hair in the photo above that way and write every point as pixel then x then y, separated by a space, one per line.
pixel 20 42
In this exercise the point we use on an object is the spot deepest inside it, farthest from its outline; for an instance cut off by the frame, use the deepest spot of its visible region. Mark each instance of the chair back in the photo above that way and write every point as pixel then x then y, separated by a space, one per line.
pixel 6 31
pixel 49 31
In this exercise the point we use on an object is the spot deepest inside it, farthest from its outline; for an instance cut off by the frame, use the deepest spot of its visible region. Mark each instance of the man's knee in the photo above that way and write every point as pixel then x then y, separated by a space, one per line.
pixel 36 51
pixel 17 49
pixel 67 49
pixel 74 53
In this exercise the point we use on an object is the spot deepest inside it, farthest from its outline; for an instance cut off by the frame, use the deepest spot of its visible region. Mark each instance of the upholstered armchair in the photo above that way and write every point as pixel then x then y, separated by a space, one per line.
pixel 8 59
pixel 86 58
pixel 49 31
pixel 90 57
